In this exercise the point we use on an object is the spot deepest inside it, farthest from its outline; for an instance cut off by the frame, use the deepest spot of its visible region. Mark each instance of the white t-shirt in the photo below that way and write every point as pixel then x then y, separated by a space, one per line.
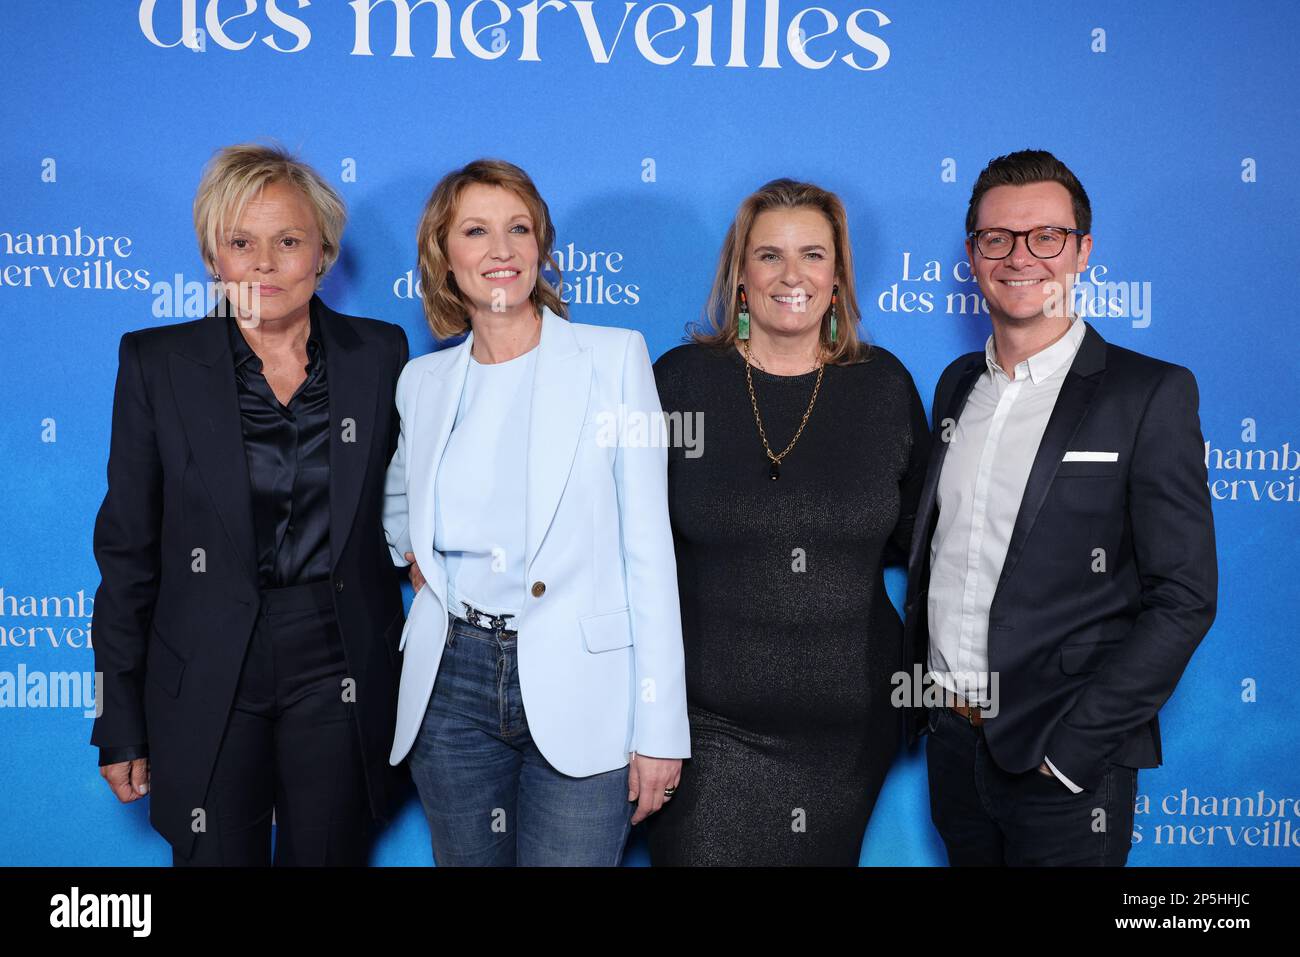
pixel 479 494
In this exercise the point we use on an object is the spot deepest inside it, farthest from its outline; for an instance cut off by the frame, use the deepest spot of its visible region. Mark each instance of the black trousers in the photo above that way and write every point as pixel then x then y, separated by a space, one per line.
pixel 990 817
pixel 291 745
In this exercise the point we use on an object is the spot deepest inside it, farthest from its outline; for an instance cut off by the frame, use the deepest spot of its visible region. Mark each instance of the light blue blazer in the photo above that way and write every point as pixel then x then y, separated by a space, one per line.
pixel 600 640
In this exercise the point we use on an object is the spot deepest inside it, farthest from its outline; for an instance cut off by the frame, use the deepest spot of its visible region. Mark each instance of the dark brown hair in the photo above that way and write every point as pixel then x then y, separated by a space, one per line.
pixel 1022 169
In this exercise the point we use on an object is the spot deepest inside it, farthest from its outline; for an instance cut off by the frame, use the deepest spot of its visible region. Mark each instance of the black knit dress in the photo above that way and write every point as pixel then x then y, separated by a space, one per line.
pixel 790 638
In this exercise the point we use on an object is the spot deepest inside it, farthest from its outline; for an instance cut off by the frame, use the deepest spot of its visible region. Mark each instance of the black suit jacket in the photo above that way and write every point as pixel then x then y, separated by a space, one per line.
pixel 1086 658
pixel 171 624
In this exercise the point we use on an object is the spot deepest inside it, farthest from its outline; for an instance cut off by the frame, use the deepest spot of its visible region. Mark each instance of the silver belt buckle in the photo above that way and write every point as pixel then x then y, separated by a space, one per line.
pixel 478 619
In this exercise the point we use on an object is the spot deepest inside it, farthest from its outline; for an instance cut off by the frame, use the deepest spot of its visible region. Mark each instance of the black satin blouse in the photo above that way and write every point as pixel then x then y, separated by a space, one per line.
pixel 288 465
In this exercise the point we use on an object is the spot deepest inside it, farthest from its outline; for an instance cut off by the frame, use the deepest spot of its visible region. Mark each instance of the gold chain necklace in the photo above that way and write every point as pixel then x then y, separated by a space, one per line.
pixel 774 469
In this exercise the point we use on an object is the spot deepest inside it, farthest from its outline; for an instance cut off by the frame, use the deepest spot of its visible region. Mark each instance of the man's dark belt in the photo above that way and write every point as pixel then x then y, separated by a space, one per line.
pixel 973 715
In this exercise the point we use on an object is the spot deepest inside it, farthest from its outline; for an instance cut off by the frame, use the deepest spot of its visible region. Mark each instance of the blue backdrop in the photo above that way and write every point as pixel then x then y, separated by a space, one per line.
pixel 644 125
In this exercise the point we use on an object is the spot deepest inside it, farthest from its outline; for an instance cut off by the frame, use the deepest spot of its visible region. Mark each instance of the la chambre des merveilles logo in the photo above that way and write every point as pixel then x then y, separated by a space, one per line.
pixel 767 34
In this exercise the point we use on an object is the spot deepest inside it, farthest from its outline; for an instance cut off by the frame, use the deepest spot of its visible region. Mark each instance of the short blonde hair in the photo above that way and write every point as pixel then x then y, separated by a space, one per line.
pixel 236 174
pixel 445 307
pixel 720 322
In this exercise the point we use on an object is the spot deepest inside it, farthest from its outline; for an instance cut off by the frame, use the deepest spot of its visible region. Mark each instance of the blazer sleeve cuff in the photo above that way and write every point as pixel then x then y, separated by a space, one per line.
pixel 663 742
pixel 119 754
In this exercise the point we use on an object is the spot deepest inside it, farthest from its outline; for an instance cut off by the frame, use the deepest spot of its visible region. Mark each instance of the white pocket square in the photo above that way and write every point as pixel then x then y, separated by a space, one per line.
pixel 1091 457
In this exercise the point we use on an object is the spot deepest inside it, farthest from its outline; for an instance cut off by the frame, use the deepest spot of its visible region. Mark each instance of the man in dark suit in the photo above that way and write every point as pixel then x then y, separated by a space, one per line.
pixel 1063 571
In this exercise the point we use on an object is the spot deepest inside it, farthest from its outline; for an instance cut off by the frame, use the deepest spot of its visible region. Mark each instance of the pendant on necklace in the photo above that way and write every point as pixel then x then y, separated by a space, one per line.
pixel 774 470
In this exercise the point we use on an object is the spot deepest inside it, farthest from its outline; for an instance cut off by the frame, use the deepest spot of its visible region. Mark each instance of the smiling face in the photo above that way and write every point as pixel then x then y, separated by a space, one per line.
pixel 274 252
pixel 1022 289
pixel 789 271
pixel 492 249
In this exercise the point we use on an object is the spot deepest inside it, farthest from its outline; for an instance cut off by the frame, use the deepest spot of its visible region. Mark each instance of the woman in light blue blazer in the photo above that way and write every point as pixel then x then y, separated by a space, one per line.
pixel 543 698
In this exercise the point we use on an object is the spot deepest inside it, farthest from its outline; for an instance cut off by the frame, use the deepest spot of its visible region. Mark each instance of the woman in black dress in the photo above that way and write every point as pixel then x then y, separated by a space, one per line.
pixel 803 488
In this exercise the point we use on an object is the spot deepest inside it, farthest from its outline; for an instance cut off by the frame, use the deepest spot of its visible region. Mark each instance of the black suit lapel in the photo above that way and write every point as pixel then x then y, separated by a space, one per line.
pixel 1086 373
pixel 944 423
pixel 354 394
pixel 203 383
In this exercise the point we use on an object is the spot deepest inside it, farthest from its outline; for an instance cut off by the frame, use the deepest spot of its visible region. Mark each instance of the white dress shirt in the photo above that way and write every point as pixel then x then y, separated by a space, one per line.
pixel 479 494
pixel 982 482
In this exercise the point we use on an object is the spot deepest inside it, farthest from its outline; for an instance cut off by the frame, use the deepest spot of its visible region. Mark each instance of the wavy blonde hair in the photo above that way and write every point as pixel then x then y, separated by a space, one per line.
pixel 236 174
pixel 719 324
pixel 445 307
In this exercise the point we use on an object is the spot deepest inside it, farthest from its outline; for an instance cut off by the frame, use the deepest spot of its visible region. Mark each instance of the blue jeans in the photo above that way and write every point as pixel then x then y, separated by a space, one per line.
pixel 490 797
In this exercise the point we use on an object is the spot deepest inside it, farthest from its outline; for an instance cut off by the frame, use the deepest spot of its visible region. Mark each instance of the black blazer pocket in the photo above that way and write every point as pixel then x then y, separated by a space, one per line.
pixel 1087 470
pixel 1083 658
pixel 393 634
pixel 163 666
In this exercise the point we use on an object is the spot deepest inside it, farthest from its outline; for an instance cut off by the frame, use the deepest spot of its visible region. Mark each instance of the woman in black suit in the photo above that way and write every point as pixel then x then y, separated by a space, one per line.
pixel 246 626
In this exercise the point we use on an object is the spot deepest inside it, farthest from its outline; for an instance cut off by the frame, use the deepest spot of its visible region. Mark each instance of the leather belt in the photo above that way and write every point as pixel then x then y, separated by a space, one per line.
pixel 973 715
pixel 489 622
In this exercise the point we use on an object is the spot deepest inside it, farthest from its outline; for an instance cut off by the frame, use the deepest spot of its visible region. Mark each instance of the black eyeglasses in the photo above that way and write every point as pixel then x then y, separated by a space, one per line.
pixel 1044 242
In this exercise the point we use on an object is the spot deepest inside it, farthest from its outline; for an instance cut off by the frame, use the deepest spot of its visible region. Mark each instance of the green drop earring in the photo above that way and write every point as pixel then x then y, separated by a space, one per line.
pixel 742 324
pixel 835 298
